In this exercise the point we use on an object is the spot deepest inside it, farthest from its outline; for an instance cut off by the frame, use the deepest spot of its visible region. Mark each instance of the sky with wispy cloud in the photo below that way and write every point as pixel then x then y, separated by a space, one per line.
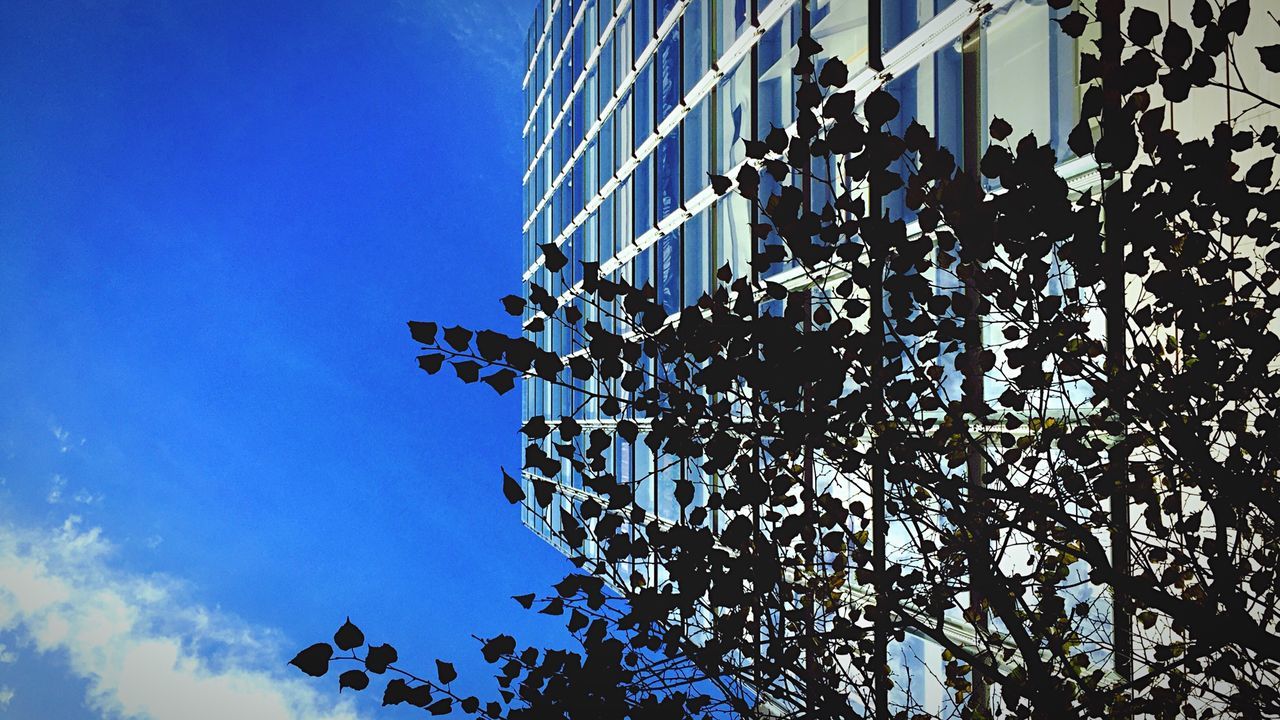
pixel 215 218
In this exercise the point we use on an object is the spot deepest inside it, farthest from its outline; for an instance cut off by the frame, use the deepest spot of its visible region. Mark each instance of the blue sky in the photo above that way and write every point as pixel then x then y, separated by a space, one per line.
pixel 215 218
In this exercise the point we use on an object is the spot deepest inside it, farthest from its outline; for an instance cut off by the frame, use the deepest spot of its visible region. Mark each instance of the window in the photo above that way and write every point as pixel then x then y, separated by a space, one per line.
pixel 697 48
pixel 668 62
pixel 1035 65
pixel 697 148
pixel 732 17
pixel 732 234
pixel 668 271
pixel 775 87
pixel 732 99
pixel 697 246
pixel 643 194
pixel 644 103
pixel 668 175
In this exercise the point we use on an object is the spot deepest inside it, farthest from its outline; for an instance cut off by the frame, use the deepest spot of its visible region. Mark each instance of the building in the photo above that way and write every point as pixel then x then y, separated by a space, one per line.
pixel 631 104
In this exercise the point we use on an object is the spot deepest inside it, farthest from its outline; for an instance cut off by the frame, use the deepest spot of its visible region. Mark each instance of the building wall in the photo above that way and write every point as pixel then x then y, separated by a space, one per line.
pixel 631 104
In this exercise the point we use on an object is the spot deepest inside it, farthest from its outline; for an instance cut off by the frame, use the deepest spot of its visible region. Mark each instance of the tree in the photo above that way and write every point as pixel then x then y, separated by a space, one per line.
pixel 1033 427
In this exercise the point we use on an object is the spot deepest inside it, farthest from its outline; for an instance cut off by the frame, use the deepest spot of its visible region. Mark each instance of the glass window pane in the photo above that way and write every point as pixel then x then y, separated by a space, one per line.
pixel 642 183
pixel 732 17
pixel 668 175
pixel 776 55
pixel 732 234
pixel 733 119
pixel 697 149
pixel 668 62
pixel 696 269
pixel 644 103
pixel 644 24
pixel 697 55
pixel 668 271
pixel 1035 66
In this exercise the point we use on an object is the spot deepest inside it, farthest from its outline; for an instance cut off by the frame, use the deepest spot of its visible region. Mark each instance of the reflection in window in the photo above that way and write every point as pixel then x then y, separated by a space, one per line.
pixel 697 244
pixel 668 62
pixel 733 234
pixel 775 86
pixel 644 104
pixel 697 49
pixel 668 177
pixel 642 183
pixel 733 107
pixel 732 17
pixel 697 149
pixel 668 271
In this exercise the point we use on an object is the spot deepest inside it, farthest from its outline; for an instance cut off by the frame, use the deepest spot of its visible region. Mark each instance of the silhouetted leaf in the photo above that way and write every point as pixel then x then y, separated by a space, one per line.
pixel 468 370
pixel 720 184
pixel 1234 16
pixel 1072 23
pixel 496 647
pixel 423 332
pixel 880 108
pixel 314 660
pixel 513 304
pixel 1144 26
pixel 502 381
pixel 348 637
pixel 443 706
pixel 379 658
pixel 511 489
pixel 835 74
pixel 553 257
pixel 1259 174
pixel 1270 57
pixel 458 337
pixel 354 679
pixel 526 601
pixel 431 363
pixel 1000 129
pixel 445 672
pixel 1176 45
pixel 397 691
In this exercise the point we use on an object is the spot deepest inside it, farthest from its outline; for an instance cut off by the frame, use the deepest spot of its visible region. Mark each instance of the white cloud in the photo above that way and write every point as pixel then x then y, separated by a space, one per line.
pixel 56 486
pixel 6 696
pixel 63 437
pixel 57 493
pixel 145 652
pixel 7 656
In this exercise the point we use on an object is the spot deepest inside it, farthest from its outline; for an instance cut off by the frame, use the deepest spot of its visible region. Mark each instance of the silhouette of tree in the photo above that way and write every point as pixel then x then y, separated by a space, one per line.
pixel 1034 426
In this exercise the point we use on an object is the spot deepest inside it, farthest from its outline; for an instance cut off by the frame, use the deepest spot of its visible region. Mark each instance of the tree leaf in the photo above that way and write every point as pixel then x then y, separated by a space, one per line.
pixel 1270 57
pixel 496 647
pixel 1072 23
pixel 553 257
pixel 379 658
pixel 348 637
pixel 511 489
pixel 314 660
pixel 1144 25
pixel 501 381
pixel 445 672
pixel 468 370
pixel 423 332
pixel 458 337
pixel 513 304
pixel 354 679
pixel 431 363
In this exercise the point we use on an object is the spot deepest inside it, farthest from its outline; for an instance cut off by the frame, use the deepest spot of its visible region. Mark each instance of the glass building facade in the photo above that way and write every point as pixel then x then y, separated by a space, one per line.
pixel 632 104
